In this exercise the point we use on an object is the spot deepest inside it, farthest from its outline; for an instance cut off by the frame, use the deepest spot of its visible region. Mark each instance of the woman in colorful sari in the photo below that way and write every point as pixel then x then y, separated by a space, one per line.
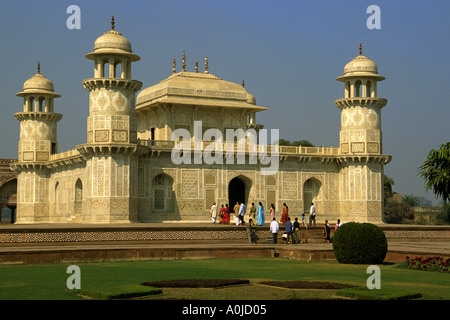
pixel 260 218
pixel 221 213
pixel 285 215
pixel 272 212
pixel 226 215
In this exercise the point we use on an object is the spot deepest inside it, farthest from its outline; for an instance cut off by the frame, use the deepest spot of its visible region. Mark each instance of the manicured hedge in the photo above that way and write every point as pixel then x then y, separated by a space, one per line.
pixel 122 292
pixel 195 283
pixel 359 243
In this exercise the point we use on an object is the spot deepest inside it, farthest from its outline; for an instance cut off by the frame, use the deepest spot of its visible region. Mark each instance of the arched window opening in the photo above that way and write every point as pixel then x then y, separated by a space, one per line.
pixel 358 88
pixel 368 89
pixel 163 194
pixel 41 104
pixel 78 191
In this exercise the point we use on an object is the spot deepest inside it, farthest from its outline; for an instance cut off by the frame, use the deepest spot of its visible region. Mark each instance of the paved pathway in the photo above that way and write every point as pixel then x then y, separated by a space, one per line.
pixel 412 246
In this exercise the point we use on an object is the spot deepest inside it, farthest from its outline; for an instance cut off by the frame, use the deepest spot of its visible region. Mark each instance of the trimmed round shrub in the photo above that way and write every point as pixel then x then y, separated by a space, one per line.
pixel 359 243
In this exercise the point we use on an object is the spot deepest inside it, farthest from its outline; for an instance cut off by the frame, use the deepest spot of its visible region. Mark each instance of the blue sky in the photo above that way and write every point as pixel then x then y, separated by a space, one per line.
pixel 288 52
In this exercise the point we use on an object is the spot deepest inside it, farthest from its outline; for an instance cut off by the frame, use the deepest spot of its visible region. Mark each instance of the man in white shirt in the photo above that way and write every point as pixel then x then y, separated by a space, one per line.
pixel 274 227
pixel 242 212
pixel 312 214
pixel 213 213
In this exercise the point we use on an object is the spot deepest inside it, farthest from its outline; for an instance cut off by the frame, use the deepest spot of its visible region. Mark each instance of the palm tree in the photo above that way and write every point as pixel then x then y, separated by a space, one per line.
pixel 436 171
pixel 410 200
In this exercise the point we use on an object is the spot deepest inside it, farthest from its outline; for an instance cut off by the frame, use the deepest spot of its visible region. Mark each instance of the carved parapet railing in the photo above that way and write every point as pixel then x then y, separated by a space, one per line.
pixel 235 147
pixel 360 101
pixel 67 154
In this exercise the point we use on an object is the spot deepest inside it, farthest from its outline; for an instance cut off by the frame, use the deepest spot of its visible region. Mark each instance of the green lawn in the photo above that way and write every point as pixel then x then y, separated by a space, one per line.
pixel 48 282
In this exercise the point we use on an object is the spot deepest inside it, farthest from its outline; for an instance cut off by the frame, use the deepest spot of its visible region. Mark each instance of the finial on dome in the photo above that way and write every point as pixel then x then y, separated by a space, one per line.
pixel 183 65
pixel 360 48
pixel 112 23
pixel 206 65
pixel 243 83
pixel 196 65
pixel 174 65
pixel 39 67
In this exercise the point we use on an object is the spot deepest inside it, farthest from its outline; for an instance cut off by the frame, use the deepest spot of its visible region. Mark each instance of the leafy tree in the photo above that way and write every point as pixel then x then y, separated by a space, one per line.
pixel 283 142
pixel 444 214
pixel 303 143
pixel 388 183
pixel 436 171
pixel 395 212
pixel 410 200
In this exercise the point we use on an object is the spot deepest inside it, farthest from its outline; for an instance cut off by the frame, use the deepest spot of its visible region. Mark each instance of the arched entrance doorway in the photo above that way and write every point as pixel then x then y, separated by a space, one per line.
pixel 8 201
pixel 237 192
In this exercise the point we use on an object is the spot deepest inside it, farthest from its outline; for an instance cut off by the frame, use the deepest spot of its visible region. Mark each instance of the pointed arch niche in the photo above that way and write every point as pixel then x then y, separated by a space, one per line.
pixel 312 193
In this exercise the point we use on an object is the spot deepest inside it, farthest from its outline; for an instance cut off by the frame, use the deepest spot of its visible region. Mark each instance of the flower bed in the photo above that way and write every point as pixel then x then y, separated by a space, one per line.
pixel 436 263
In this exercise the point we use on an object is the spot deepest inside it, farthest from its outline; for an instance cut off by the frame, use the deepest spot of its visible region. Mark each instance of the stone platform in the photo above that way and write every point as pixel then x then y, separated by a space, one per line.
pixel 49 243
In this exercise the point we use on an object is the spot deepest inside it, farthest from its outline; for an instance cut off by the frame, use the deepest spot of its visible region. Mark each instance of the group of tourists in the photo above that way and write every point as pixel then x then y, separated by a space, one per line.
pixel 295 232
pixel 224 213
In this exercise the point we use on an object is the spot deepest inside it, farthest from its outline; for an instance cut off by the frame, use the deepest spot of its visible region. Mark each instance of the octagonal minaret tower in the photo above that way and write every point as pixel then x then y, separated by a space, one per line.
pixel 361 108
pixel 361 144
pixel 38 120
pixel 112 118
pixel 111 149
pixel 38 141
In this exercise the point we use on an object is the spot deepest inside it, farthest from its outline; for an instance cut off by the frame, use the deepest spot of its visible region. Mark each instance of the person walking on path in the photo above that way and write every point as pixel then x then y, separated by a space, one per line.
pixel 272 212
pixel 296 232
pixel 252 214
pixel 226 215
pixel 288 227
pixel 236 213
pixel 213 213
pixel 326 232
pixel 285 215
pixel 274 228
pixel 338 224
pixel 221 214
pixel 242 213
pixel 261 220
pixel 312 214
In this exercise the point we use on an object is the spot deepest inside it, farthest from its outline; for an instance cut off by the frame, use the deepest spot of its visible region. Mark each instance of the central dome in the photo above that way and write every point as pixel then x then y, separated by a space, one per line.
pixel 200 89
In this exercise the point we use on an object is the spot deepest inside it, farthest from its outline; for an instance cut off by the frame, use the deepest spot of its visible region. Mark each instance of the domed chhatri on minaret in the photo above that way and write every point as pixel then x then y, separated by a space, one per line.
pixel 360 77
pixel 113 41
pixel 125 171
pixel 38 84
